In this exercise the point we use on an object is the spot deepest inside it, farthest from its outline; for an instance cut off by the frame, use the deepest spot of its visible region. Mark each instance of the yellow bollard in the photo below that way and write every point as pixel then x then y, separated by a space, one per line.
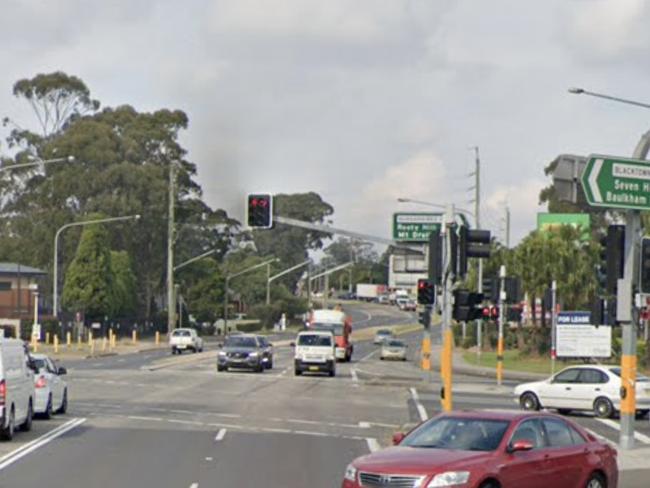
pixel 68 339
pixel 91 343
pixel 157 338
pixel 134 336
pixel 56 344
pixel 114 339
pixel 79 341
pixel 103 343
pixel 47 338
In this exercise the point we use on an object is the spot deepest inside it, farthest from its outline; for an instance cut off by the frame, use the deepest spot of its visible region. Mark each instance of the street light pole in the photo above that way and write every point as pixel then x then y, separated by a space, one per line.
pixel 55 284
pixel 582 91
pixel 171 315
pixel 39 162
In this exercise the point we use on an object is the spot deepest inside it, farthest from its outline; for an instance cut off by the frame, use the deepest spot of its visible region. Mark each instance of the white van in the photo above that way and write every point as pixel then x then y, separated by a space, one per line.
pixel 315 352
pixel 16 388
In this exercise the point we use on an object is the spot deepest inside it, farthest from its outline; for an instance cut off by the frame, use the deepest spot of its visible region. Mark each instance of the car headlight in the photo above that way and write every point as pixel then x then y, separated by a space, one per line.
pixel 222 354
pixel 449 478
pixel 253 355
pixel 350 473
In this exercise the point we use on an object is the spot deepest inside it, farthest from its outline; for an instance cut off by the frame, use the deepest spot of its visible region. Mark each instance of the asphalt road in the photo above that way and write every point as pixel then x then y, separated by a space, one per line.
pixel 188 426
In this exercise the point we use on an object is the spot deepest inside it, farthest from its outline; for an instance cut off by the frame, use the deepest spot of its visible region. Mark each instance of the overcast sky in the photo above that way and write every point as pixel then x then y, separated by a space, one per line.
pixel 362 101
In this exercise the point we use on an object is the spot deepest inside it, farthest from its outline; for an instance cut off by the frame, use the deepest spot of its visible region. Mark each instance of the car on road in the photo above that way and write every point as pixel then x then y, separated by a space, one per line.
pixel 243 351
pixel 315 352
pixel 185 340
pixel 383 299
pixel 490 449
pixel 347 296
pixel 51 390
pixel 590 387
pixel 406 304
pixel 16 388
pixel 267 352
pixel 393 349
pixel 381 335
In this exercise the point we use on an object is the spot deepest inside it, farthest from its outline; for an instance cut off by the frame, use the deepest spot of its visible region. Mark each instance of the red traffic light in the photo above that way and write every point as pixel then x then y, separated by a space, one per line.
pixel 260 211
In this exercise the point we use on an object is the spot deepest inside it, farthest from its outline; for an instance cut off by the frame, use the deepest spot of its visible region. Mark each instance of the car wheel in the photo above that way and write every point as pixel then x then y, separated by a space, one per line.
pixel 529 401
pixel 48 410
pixel 381 358
pixel 270 365
pixel 603 408
pixel 596 480
pixel 27 424
pixel 332 373
pixel 221 368
pixel 297 372
pixel 64 403
pixel 563 411
pixel 260 368
pixel 489 484
pixel 7 433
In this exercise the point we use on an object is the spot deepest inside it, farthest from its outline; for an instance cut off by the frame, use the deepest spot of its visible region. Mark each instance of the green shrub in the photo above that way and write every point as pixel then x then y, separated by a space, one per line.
pixel 250 327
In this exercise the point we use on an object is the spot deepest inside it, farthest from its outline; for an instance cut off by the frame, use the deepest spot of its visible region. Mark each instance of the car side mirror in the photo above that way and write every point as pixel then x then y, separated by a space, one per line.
pixel 522 445
pixel 292 344
pixel 62 371
pixel 398 437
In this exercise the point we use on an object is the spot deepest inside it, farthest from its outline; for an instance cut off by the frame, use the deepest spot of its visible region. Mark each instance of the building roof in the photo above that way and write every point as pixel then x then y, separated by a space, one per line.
pixel 15 268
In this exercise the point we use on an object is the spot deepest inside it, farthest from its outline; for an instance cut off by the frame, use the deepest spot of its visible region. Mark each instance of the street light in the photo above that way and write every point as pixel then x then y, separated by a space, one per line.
pixel 582 91
pixel 38 162
pixel 56 250
pixel 196 258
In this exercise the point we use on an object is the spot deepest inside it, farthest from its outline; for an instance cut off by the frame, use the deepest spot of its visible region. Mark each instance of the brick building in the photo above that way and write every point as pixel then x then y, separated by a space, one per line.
pixel 17 283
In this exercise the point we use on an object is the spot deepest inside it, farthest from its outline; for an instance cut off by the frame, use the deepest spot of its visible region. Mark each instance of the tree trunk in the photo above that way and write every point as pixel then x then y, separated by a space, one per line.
pixel 533 310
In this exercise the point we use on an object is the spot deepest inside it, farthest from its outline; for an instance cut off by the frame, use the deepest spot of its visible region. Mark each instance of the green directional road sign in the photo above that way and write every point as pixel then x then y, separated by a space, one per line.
pixel 610 181
pixel 415 226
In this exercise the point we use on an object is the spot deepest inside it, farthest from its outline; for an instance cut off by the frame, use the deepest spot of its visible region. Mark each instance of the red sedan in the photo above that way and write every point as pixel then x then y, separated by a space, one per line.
pixel 490 450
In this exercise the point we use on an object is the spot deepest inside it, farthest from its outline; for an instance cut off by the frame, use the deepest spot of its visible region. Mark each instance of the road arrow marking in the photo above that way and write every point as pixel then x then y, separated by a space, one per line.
pixel 593 180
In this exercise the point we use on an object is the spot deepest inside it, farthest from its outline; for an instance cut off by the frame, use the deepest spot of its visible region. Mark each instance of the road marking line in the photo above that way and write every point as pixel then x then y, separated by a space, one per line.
pixel 364 425
pixel 279 431
pixel 353 373
pixel 153 419
pixel 194 485
pixel 121 360
pixel 185 422
pixel 368 356
pixel 220 435
pixel 615 425
pixel 368 319
pixel 209 459
pixel 373 445
pixel 420 408
pixel 23 451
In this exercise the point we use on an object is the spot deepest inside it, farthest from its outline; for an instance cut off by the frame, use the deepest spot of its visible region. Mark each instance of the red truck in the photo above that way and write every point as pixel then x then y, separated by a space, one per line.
pixel 340 325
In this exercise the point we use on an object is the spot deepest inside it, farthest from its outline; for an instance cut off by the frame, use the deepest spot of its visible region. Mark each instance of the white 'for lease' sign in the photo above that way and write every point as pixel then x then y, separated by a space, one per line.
pixel 584 341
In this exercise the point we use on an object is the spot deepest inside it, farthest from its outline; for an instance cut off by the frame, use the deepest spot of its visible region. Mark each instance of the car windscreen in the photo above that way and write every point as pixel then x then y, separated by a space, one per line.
pixel 314 340
pixel 336 329
pixel 639 377
pixel 181 333
pixel 395 344
pixel 239 341
pixel 458 433
pixel 39 363
pixel 384 332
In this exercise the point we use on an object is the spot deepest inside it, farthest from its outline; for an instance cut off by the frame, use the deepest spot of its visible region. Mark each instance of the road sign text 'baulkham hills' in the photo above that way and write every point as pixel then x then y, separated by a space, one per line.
pixel 610 181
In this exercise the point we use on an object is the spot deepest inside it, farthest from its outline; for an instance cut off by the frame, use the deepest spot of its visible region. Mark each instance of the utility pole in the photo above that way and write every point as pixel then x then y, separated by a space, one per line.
pixel 553 325
pixel 447 305
pixel 502 304
pixel 268 284
pixel 477 218
pixel 171 315
pixel 507 226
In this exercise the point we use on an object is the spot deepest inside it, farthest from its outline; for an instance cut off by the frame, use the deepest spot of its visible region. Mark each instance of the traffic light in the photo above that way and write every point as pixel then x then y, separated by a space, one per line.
pixel 612 257
pixel 425 317
pixel 453 250
pixel 490 312
pixel 474 243
pixel 260 211
pixel 597 311
pixel 513 314
pixel 435 257
pixel 490 287
pixel 426 292
pixel 645 265
pixel 513 289
pixel 467 305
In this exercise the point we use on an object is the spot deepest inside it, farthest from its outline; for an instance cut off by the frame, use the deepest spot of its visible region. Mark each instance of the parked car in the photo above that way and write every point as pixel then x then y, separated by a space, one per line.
pixel 315 352
pixel 393 349
pixel 16 388
pixel 51 390
pixel 488 450
pixel 242 351
pixel 589 387
pixel 267 352
pixel 381 335
pixel 383 299
pixel 184 340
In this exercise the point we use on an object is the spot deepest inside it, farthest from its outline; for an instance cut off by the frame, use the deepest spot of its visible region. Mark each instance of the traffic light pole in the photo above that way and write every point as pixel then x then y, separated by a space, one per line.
pixel 553 325
pixel 502 302
pixel 446 356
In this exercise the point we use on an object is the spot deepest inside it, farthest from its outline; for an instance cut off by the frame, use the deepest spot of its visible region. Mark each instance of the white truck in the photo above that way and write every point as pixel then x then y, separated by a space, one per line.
pixel 315 352
pixel 370 292
pixel 16 388
pixel 185 340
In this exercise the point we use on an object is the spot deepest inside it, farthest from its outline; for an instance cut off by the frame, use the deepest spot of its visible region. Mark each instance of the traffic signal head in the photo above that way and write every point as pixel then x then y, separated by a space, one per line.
pixel 426 292
pixel 513 289
pixel 612 257
pixel 490 312
pixel 644 282
pixel 473 243
pixel 435 257
pixel 425 318
pixel 259 211
pixel 514 314
pixel 467 305
pixel 490 287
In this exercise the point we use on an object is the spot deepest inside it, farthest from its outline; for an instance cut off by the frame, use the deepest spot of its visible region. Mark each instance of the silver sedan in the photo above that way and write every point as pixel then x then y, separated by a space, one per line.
pixel 393 349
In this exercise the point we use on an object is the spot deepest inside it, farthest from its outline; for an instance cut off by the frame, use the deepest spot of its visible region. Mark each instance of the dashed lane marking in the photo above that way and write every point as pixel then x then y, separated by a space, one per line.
pixel 353 373
pixel 194 485
pixel 220 435
pixel 420 408
pixel 153 419
pixel 373 445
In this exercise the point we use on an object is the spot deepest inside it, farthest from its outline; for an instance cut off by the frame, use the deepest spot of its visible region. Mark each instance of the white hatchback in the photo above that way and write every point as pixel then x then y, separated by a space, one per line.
pixel 51 389
pixel 594 388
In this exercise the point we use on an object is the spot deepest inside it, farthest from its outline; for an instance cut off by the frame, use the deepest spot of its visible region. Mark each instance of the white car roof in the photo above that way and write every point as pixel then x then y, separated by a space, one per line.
pixel 328 316
pixel 316 332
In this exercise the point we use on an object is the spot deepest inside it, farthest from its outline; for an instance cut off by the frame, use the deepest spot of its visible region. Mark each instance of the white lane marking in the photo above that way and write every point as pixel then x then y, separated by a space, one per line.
pixel 23 451
pixel 309 432
pixel 209 459
pixel 373 445
pixel 279 431
pixel 421 411
pixel 121 360
pixel 153 419
pixel 194 485
pixel 184 422
pixel 615 425
pixel 364 425
pixel 353 373
pixel 368 356
pixel 368 319
pixel 220 435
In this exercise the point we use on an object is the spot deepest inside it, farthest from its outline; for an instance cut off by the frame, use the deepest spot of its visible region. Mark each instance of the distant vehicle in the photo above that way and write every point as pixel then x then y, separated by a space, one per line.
pixel 267 352
pixel 315 351
pixel 370 292
pixel 347 296
pixel 383 299
pixel 185 339
pixel 51 390
pixel 381 335
pixel 397 294
pixel 16 388
pixel 339 324
pixel 393 349
pixel 589 387
pixel 489 450
pixel 406 304
pixel 244 351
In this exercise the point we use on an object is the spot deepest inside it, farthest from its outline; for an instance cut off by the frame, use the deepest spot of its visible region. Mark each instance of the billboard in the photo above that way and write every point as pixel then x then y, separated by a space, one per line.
pixel 550 221
pixel 577 338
